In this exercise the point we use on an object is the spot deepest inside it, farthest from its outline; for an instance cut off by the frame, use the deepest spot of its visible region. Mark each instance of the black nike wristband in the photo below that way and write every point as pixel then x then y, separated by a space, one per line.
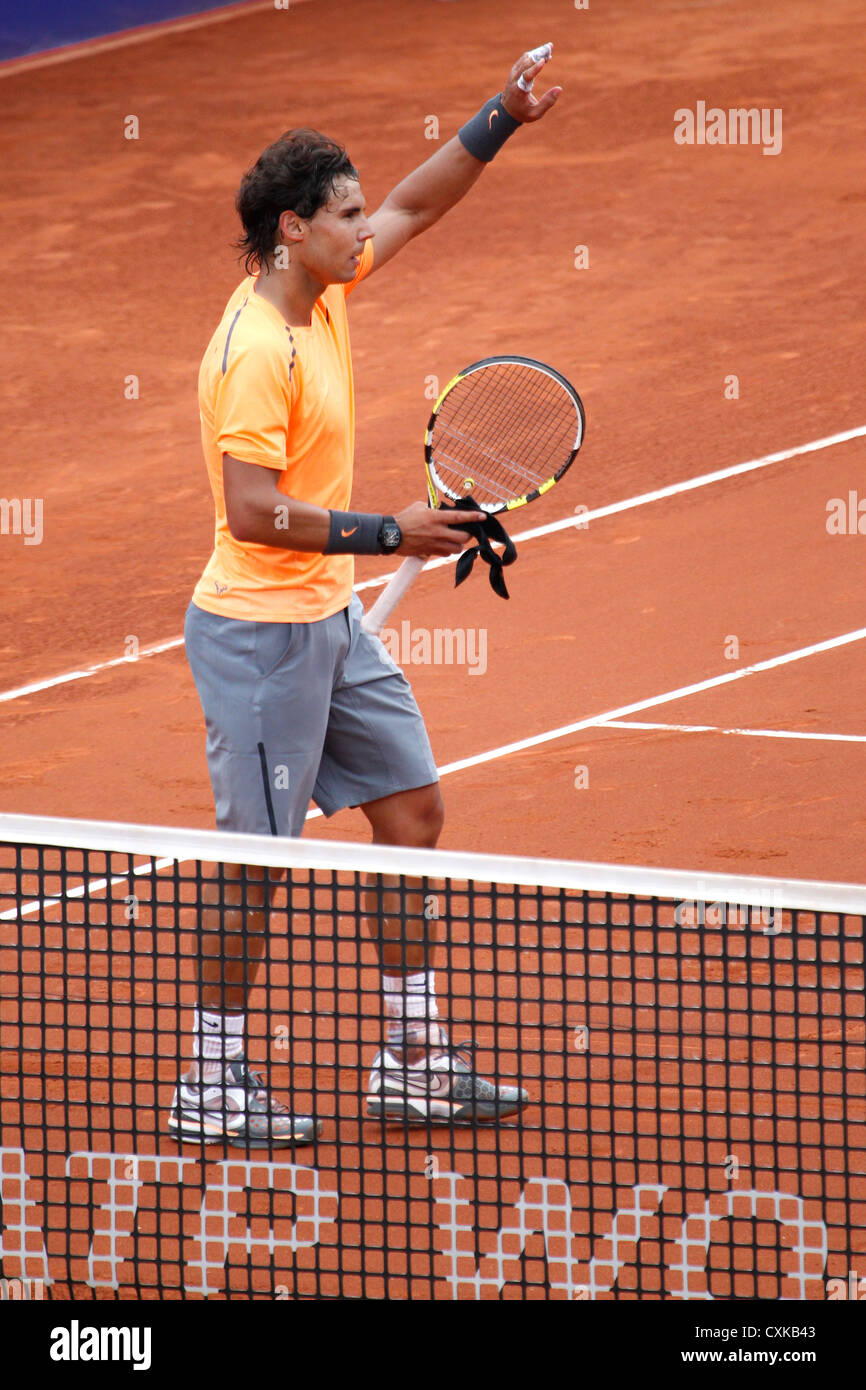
pixel 488 130
pixel 354 533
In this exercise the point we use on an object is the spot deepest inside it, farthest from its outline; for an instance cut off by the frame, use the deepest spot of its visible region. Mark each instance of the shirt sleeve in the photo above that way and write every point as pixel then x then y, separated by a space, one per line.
pixel 253 407
pixel 364 268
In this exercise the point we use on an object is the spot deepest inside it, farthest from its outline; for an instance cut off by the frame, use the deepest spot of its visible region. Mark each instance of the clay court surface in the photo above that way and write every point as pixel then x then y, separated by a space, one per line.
pixel 704 263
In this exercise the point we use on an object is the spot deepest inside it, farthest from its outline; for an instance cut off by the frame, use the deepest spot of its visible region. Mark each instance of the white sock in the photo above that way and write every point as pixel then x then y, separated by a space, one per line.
pixel 411 1008
pixel 217 1039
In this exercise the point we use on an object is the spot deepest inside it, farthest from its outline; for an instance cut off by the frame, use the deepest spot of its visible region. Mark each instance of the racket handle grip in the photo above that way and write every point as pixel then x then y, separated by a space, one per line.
pixel 375 619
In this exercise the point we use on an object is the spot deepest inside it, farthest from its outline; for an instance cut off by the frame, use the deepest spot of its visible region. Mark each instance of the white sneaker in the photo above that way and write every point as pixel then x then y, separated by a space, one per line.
pixel 237 1109
pixel 440 1089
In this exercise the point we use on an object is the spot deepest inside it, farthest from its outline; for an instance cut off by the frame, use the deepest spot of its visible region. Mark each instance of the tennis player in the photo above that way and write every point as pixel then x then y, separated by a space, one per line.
pixel 299 702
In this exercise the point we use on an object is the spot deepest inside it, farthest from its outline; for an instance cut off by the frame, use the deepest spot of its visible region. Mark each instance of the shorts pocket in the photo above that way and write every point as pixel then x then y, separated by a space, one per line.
pixel 274 646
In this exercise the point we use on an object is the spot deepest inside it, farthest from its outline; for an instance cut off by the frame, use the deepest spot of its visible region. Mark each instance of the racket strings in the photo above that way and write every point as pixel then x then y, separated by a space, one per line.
pixel 530 414
pixel 464 443
pixel 520 401
pixel 503 431
pixel 484 487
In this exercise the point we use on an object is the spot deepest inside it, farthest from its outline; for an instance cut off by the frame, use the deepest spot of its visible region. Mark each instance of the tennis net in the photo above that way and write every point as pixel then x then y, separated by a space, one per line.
pixel 693 1048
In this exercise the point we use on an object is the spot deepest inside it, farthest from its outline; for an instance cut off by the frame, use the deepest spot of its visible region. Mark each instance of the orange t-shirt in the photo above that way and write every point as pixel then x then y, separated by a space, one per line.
pixel 281 397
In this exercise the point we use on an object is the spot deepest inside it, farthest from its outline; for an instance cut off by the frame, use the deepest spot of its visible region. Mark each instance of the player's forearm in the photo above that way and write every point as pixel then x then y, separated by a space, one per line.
pixel 441 181
pixel 436 185
pixel 288 524
pixel 293 525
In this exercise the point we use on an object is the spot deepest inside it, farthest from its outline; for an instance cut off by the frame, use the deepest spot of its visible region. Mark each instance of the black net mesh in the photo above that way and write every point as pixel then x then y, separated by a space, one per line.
pixel 695 1124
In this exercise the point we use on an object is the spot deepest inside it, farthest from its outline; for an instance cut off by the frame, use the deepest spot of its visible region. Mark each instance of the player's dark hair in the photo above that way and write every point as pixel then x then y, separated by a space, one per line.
pixel 298 171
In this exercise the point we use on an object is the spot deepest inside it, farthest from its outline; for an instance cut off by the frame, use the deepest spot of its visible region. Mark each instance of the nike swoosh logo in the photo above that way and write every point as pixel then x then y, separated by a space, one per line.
pixel 348 533
pixel 194 1095
pixel 490 119
pixel 434 1086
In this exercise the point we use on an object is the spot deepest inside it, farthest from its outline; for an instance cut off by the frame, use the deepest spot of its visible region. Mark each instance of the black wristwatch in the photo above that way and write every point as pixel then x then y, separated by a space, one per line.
pixel 390 535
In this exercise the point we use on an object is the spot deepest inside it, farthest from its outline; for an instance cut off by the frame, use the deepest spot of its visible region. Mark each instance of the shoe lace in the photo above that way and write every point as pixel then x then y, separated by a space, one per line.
pixel 463 1050
pixel 254 1081
pixel 244 1076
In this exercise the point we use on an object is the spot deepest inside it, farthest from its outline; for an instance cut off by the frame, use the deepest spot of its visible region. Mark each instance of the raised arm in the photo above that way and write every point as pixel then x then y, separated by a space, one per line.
pixel 429 191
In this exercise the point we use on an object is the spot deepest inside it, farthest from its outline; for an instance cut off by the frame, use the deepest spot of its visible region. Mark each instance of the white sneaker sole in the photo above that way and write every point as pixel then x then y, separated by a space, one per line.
pixel 191 1129
pixel 418 1110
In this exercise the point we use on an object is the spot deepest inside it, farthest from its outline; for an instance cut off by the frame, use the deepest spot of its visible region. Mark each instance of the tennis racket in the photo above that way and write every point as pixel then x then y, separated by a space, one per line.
pixel 503 432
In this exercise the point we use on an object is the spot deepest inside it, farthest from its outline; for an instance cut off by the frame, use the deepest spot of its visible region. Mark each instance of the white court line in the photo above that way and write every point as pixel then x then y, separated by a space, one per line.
pixel 718 729
pixel 576 523
pixel 492 754
pixel 594 720
pixel 145 33
pixel 86 671
pixel 95 885
pixel 675 488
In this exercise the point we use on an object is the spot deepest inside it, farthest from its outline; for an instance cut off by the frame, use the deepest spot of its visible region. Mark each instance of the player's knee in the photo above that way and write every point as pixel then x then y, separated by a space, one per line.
pixel 429 816
pixel 413 818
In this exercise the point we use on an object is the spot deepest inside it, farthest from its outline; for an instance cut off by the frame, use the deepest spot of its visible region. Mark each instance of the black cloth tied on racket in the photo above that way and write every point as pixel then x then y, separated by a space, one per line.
pixel 490 529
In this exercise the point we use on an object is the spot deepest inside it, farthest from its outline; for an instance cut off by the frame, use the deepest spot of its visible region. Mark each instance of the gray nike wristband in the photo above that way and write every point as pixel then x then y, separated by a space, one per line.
pixel 488 131
pixel 354 533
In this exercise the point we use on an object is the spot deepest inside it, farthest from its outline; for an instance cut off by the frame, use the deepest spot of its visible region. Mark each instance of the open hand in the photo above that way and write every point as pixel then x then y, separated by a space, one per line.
pixel 521 105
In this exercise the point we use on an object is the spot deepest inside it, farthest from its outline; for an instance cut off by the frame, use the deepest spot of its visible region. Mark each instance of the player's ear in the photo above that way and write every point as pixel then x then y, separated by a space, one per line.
pixel 291 227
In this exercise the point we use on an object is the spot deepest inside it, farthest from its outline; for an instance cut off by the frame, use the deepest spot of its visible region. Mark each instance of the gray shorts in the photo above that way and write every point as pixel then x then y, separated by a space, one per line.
pixel 302 711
